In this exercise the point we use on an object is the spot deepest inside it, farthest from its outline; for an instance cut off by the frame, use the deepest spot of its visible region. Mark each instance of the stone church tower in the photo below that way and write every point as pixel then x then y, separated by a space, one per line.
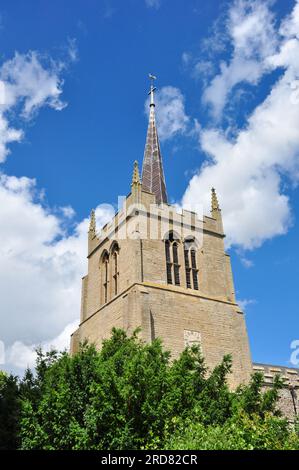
pixel 168 273
pixel 163 271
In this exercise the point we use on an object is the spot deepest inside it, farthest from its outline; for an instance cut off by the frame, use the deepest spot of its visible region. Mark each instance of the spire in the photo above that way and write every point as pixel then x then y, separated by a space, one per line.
pixel 152 169
pixel 92 223
pixel 215 203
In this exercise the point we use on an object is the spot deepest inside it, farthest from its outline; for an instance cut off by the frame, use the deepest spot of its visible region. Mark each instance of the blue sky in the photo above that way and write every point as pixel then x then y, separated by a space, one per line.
pixel 226 73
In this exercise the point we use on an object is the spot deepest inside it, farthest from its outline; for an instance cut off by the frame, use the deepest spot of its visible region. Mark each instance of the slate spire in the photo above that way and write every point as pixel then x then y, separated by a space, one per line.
pixel 152 169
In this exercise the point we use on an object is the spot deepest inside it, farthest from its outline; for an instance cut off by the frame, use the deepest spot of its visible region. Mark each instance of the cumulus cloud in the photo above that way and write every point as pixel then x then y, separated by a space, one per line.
pixel 42 250
pixel 250 27
pixel 67 211
pixel 27 81
pixel 22 355
pixel 26 85
pixel 42 262
pixel 248 169
pixel 170 111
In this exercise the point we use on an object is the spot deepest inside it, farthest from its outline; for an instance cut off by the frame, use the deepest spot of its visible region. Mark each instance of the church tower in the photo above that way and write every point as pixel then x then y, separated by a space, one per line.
pixel 163 270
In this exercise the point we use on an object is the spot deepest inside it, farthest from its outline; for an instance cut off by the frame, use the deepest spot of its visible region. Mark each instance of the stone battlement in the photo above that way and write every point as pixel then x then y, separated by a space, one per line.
pixel 289 402
pixel 289 375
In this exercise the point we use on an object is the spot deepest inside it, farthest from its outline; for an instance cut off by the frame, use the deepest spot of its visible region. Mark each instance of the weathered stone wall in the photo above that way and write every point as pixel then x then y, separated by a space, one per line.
pixel 121 312
pixel 129 266
pixel 173 314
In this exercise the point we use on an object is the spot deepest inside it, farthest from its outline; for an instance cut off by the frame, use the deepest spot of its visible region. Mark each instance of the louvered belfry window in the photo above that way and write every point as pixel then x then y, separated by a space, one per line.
pixel 190 265
pixel 168 262
pixel 105 276
pixel 188 269
pixel 194 269
pixel 115 274
pixel 172 260
pixel 176 266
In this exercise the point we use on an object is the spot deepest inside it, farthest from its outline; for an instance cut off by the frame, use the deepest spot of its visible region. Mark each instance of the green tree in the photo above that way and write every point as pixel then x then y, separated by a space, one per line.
pixel 9 412
pixel 241 432
pixel 130 395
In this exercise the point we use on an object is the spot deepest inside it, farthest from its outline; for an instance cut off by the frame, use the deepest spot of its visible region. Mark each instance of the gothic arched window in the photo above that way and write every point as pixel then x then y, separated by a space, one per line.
pixel 115 271
pixel 172 260
pixel 176 266
pixel 190 265
pixel 105 276
pixel 194 269
pixel 168 262
pixel 187 268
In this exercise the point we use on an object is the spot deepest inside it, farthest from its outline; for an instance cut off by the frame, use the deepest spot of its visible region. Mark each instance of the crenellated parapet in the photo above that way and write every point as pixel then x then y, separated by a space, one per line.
pixel 289 395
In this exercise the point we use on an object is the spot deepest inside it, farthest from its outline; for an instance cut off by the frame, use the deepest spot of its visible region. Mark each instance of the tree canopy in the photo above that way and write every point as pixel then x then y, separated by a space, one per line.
pixel 130 395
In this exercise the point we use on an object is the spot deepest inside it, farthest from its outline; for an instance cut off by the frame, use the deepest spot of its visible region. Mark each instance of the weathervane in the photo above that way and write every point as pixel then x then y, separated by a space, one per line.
pixel 152 89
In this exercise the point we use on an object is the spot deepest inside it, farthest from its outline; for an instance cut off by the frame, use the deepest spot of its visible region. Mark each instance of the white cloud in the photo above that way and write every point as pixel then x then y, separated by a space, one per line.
pixel 186 58
pixel 26 86
pixel 42 250
pixel 7 135
pixel 41 269
pixel 170 111
pixel 248 263
pixel 203 69
pixel 21 355
pixel 31 84
pixel 251 29
pixel 72 50
pixel 245 303
pixel 247 170
pixel 153 3
pixel 67 212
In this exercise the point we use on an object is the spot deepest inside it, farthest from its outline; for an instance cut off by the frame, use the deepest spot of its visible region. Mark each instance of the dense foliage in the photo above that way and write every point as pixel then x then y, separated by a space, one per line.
pixel 9 412
pixel 131 396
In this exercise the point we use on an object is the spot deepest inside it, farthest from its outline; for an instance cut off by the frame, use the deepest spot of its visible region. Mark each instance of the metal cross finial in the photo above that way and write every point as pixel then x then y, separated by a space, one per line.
pixel 152 78
pixel 152 89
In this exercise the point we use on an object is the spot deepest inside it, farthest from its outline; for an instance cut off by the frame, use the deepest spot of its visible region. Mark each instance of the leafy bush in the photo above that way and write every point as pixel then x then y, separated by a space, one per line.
pixel 130 395
pixel 9 412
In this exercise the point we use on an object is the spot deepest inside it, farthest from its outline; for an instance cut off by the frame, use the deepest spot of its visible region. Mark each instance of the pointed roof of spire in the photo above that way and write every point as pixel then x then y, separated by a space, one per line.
pixel 152 169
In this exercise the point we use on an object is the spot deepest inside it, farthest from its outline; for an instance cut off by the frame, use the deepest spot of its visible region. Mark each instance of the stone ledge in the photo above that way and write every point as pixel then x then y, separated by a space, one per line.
pixel 166 287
